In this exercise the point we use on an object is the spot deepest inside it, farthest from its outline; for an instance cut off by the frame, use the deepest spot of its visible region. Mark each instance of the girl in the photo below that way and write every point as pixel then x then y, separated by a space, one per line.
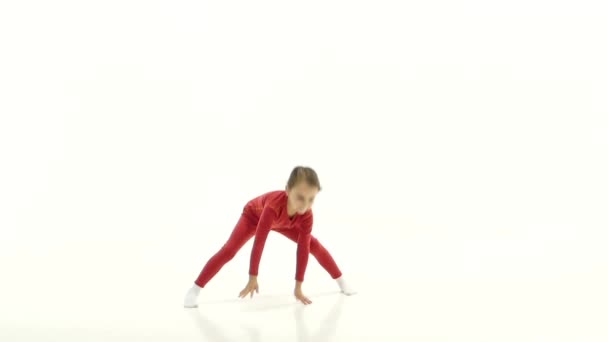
pixel 287 212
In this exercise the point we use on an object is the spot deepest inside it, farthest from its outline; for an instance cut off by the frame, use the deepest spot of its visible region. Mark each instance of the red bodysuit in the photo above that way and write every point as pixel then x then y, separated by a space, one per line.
pixel 261 215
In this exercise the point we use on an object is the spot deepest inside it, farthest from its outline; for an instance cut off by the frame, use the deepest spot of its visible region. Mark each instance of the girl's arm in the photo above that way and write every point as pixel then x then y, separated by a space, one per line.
pixel 303 249
pixel 302 255
pixel 302 259
pixel 266 218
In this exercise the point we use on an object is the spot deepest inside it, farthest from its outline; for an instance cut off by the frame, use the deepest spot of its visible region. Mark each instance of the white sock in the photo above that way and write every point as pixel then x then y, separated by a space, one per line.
pixel 347 290
pixel 196 289
pixel 190 301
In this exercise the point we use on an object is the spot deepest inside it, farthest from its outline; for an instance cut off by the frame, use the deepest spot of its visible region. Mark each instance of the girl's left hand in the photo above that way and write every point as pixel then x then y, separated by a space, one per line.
pixel 251 286
pixel 301 297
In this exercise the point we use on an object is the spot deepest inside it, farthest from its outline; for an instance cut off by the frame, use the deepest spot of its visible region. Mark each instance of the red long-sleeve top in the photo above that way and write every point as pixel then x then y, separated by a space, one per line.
pixel 270 211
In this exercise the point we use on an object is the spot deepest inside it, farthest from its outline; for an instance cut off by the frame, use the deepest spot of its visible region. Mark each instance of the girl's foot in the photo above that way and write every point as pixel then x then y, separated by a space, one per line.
pixel 190 301
pixel 344 288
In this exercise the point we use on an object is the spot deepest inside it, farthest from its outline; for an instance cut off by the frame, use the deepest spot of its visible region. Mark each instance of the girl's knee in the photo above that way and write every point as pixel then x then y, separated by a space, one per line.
pixel 315 245
pixel 228 252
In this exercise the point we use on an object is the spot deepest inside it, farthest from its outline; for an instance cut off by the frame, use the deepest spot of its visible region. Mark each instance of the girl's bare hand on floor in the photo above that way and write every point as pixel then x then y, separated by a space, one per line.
pixel 251 286
pixel 301 297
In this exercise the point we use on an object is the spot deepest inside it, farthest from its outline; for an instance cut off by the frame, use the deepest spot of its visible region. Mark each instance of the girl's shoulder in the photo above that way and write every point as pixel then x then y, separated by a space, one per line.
pixel 274 198
pixel 277 198
pixel 273 195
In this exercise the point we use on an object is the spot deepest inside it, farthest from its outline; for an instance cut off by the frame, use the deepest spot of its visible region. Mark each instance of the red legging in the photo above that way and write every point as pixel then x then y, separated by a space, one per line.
pixel 243 231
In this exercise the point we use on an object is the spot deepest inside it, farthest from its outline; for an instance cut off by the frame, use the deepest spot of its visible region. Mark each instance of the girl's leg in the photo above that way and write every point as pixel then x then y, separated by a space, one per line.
pixel 318 251
pixel 324 258
pixel 242 232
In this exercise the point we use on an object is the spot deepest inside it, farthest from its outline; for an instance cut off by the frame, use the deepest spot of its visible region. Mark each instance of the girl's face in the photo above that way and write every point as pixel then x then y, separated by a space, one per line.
pixel 301 197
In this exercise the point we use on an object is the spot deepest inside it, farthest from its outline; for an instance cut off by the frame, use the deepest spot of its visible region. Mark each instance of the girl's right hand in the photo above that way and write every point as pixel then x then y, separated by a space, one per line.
pixel 251 286
pixel 301 297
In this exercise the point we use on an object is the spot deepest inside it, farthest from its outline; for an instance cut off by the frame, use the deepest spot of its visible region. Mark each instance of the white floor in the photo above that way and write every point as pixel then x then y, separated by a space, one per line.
pixel 422 290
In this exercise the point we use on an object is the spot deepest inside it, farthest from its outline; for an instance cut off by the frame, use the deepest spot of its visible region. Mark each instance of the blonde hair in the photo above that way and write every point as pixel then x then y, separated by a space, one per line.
pixel 303 174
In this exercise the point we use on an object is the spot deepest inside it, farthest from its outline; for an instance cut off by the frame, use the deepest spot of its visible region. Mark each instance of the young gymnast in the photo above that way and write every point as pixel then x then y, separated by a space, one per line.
pixel 288 212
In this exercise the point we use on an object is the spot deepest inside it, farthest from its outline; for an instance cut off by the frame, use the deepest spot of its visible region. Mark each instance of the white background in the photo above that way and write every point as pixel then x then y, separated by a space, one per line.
pixel 461 147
